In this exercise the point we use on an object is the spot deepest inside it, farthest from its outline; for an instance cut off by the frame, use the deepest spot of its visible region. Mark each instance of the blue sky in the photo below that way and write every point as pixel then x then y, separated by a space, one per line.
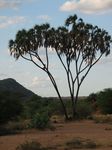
pixel 18 14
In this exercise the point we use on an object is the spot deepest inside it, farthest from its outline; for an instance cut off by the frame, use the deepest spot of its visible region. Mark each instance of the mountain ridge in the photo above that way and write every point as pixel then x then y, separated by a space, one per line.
pixel 11 85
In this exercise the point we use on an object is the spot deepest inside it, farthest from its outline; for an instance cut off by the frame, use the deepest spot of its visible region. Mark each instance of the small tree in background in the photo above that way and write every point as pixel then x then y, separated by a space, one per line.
pixel 78 45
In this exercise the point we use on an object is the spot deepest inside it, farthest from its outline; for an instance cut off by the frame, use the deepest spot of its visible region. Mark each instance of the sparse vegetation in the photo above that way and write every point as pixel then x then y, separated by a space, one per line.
pixel 46 113
pixel 33 145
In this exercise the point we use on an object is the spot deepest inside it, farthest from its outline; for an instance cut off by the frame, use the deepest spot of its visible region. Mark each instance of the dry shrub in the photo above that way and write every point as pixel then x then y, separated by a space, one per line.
pixel 18 125
pixel 103 118
pixel 30 145
pixel 79 143
pixel 57 119
pixel 33 145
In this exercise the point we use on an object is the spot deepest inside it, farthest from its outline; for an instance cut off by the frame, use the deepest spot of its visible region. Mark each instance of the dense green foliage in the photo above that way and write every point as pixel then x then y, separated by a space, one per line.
pixel 40 121
pixel 92 98
pixel 32 106
pixel 84 109
pixel 39 110
pixel 10 106
pixel 104 101
pixel 42 105
pixel 101 101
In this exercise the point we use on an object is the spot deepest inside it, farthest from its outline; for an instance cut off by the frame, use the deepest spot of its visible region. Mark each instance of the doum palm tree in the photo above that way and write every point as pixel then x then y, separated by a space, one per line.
pixel 78 45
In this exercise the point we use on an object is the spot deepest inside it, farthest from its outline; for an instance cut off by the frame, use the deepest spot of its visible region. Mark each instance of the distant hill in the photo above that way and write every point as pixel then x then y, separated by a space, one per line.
pixel 12 86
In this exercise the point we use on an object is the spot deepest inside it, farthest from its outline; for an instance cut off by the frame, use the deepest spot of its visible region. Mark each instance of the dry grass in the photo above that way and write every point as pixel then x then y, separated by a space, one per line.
pixel 103 118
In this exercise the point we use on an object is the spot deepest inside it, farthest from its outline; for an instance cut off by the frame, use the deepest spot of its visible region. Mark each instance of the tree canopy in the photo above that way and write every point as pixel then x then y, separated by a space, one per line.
pixel 77 43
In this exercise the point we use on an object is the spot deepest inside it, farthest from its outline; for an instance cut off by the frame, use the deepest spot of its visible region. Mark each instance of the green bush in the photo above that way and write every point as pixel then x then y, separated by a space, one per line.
pixel 92 97
pixel 41 105
pixel 40 121
pixel 104 101
pixel 84 109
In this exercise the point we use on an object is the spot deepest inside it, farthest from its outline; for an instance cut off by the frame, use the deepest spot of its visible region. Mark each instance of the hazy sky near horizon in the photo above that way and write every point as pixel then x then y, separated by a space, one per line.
pixel 18 14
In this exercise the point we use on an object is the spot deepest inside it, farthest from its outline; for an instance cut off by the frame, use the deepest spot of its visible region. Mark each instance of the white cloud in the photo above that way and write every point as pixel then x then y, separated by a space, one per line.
pixel 13 4
pixel 10 4
pixel 68 6
pixel 2 75
pixel 44 17
pixel 8 21
pixel 105 60
pixel 39 81
pixel 87 6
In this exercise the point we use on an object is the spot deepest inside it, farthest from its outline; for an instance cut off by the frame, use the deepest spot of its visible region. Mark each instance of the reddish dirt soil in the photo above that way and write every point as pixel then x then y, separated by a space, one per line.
pixel 100 133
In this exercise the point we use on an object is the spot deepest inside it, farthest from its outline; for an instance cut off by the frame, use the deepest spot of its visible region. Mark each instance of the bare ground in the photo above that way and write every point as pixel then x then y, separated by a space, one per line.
pixel 100 133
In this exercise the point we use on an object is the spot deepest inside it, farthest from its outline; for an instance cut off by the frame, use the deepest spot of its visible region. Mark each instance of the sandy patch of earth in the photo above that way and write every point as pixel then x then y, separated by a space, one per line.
pixel 64 132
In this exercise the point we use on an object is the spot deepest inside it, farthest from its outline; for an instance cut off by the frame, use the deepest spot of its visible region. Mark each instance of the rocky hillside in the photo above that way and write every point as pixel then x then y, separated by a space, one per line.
pixel 12 86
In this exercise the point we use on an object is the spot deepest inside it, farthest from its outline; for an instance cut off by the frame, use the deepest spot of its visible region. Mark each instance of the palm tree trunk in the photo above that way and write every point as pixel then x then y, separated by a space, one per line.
pixel 59 96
